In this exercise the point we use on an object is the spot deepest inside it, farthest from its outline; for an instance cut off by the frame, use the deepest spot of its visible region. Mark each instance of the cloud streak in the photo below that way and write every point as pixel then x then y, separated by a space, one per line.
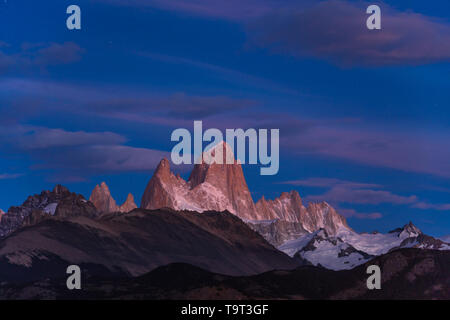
pixel 349 192
pixel 76 154
pixel 38 56
pixel 351 213
pixel 7 176
pixel 335 30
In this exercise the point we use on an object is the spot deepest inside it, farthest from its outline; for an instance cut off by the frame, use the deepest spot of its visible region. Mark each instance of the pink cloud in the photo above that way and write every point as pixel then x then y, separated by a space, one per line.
pixel 351 213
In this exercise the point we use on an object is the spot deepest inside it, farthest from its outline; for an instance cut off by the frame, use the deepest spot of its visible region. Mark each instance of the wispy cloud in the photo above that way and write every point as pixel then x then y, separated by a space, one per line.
pixel 329 182
pixel 407 150
pixel 76 154
pixel 350 192
pixel 347 194
pixel 351 213
pixel 116 102
pixel 231 75
pixel 335 30
pixel 38 56
pixel 6 176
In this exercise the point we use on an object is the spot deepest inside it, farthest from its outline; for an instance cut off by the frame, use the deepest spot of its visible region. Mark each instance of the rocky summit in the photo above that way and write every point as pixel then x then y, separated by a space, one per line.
pixel 214 186
pixel 59 202
pixel 104 202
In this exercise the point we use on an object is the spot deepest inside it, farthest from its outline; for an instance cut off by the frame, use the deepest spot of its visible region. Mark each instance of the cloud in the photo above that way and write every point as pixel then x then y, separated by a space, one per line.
pixel 6 176
pixel 178 105
pixel 231 75
pixel 121 103
pixel 342 191
pixel 58 53
pixel 346 194
pixel 336 30
pixel 33 138
pixel 97 159
pixel 38 55
pixel 407 150
pixel 426 206
pixel 351 213
pixel 353 140
pixel 329 182
pixel 77 154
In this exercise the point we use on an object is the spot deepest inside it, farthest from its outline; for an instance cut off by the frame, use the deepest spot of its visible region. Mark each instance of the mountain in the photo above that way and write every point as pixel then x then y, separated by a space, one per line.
pixel 1 214
pixel 289 207
pixel 320 249
pixel 128 205
pixel 137 242
pixel 292 220
pixel 214 186
pixel 219 187
pixel 277 231
pixel 348 249
pixel 406 274
pixel 313 233
pixel 105 203
pixel 445 238
pixel 59 203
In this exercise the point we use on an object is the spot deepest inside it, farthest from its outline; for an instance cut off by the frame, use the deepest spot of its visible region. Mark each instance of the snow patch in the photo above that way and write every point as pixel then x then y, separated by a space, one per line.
pixel 51 208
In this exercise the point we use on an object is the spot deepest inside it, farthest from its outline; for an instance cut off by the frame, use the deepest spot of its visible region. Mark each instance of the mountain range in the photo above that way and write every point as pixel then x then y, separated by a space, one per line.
pixel 209 221
pixel 315 232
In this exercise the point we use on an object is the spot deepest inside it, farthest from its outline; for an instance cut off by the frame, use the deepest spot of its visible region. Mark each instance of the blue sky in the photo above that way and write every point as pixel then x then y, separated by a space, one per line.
pixel 363 115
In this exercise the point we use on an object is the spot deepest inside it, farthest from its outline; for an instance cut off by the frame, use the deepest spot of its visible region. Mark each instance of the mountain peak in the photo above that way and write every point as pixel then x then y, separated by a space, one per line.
pixel 59 189
pixel 411 229
pixel 211 186
pixel 221 152
pixel 128 205
pixel 60 203
pixel 104 202
pixel 216 186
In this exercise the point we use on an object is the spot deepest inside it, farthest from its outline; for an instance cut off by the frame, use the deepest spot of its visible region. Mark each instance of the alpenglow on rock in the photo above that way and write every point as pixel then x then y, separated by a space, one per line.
pixel 104 202
pixel 219 187
pixel 128 205
pixel 289 207
pixel 214 186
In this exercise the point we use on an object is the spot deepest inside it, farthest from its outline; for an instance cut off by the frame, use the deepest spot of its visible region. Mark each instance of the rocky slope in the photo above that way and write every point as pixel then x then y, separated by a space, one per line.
pixel 137 242
pixel 289 207
pixel 406 274
pixel 104 202
pixel 348 249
